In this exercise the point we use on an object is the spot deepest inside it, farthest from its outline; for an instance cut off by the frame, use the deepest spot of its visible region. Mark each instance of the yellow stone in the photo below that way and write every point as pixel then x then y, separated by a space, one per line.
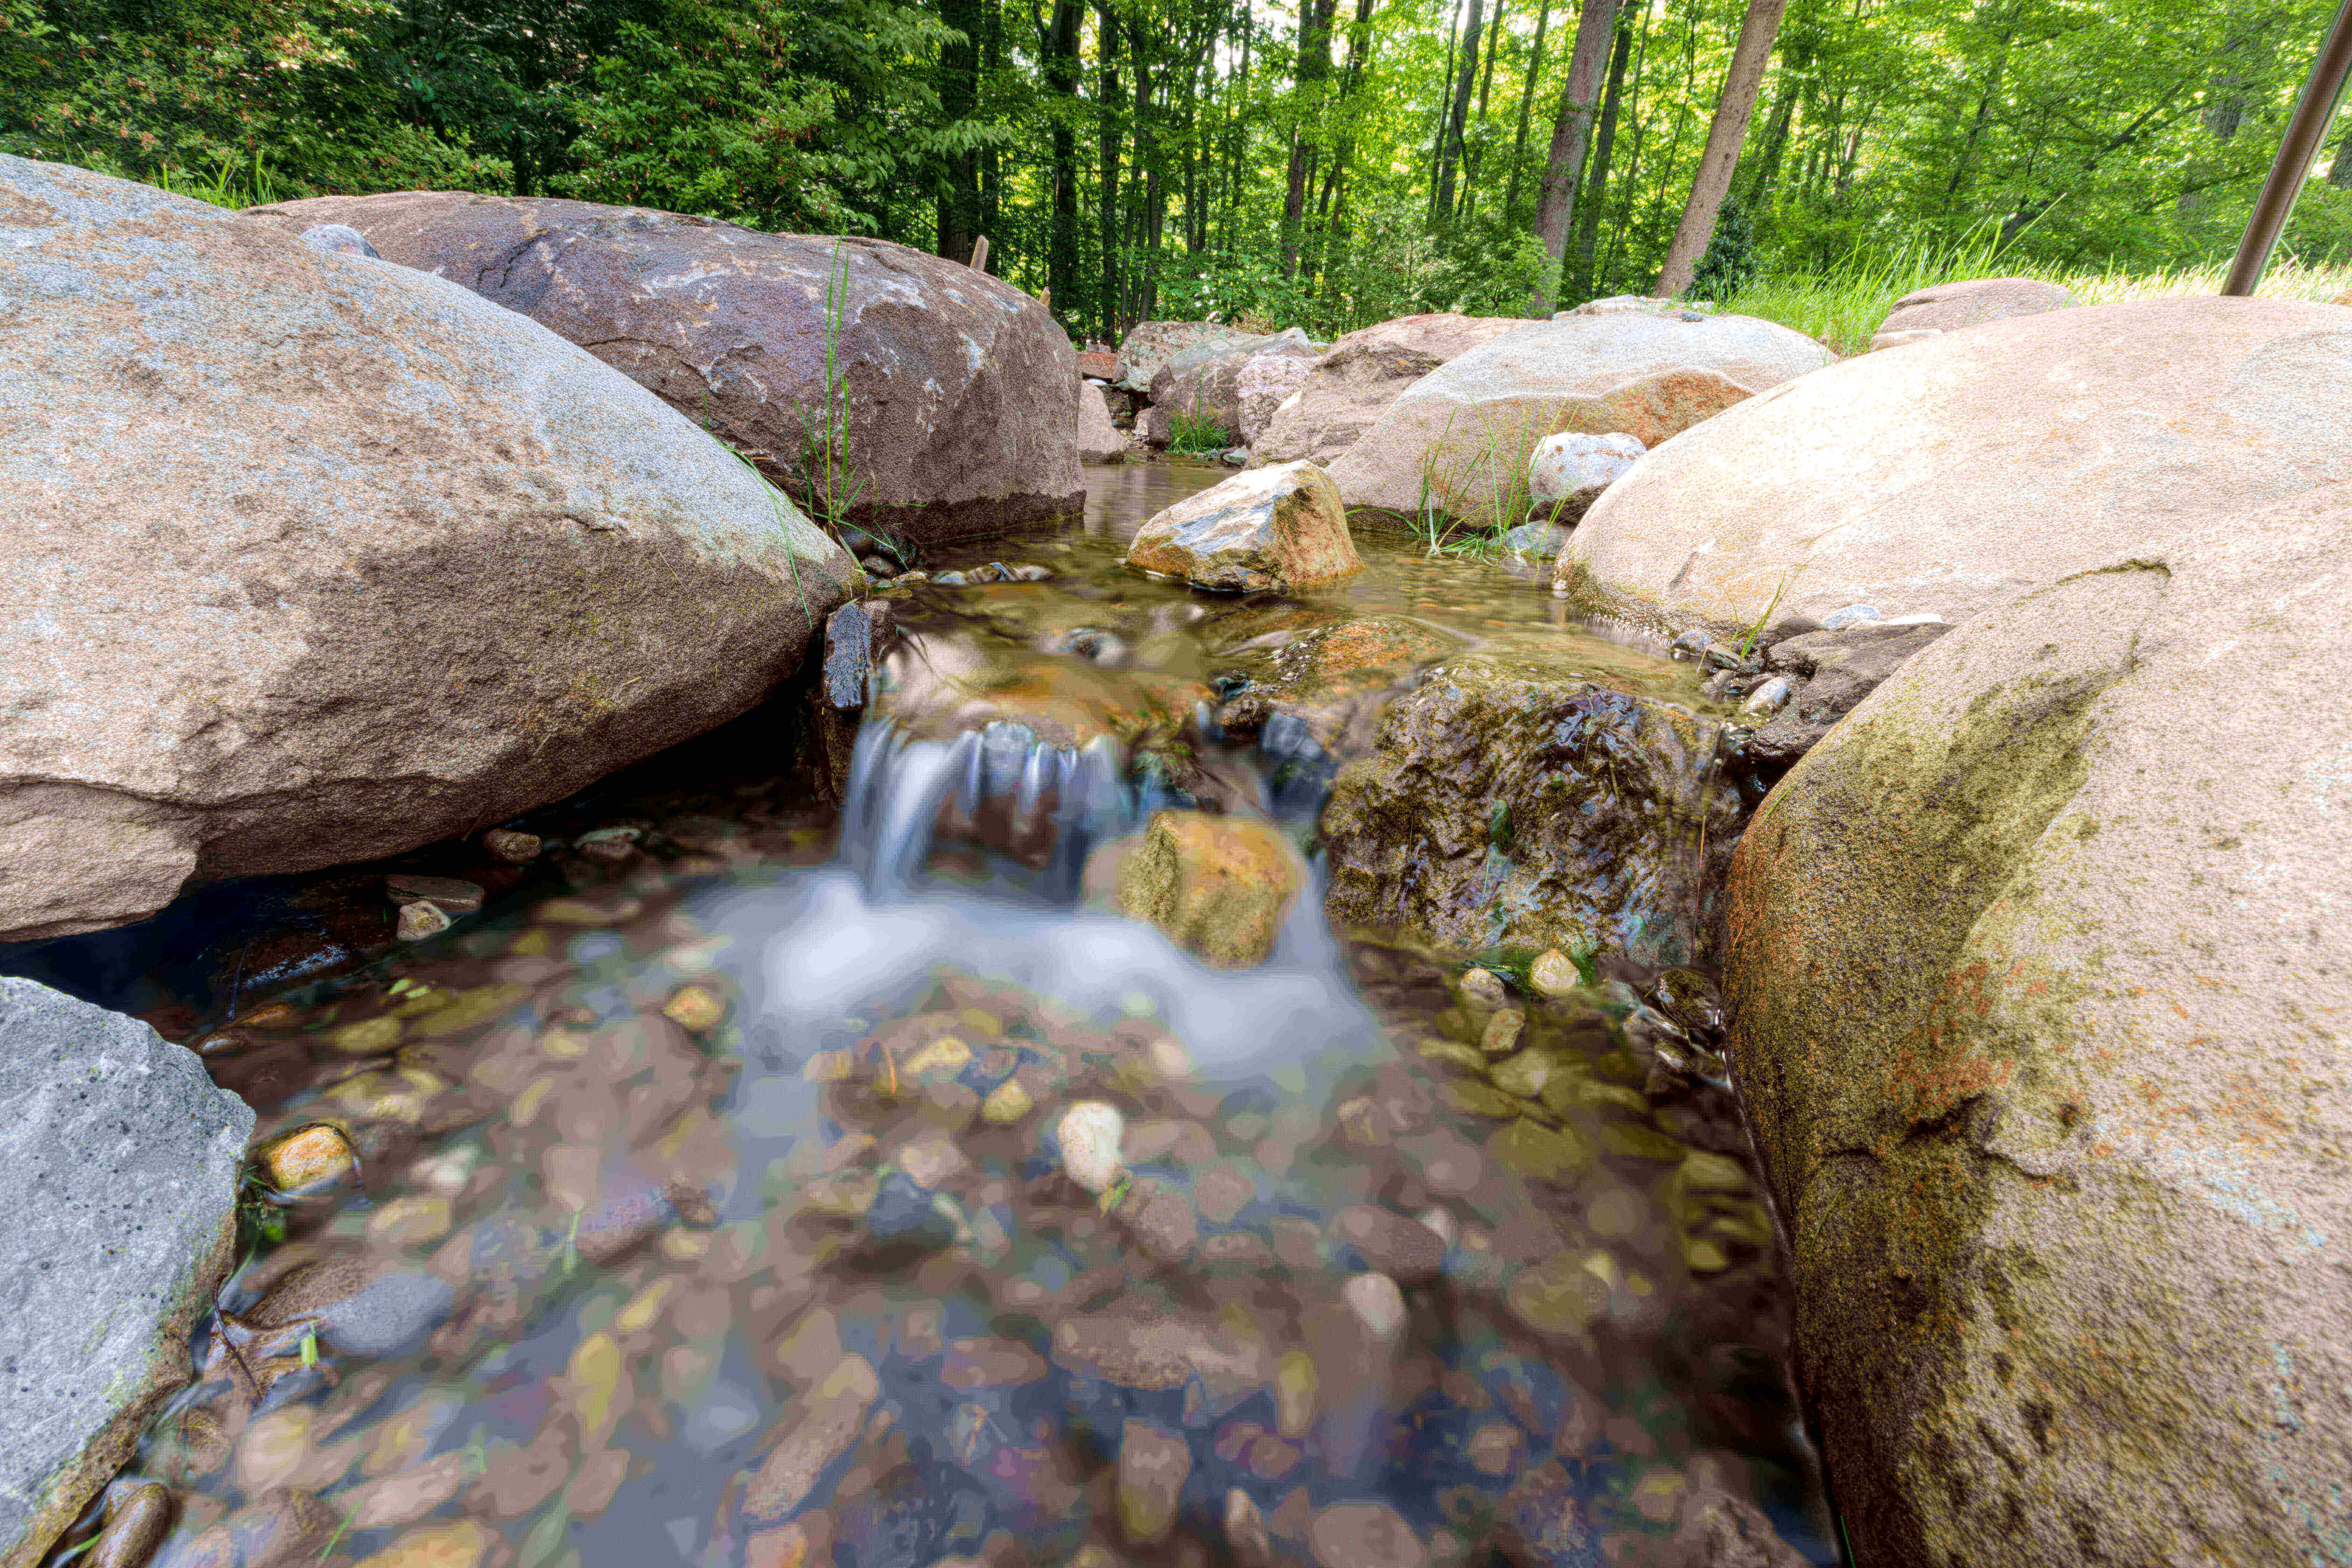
pixel 1705 1173
pixel 1524 1075
pixel 946 1055
pixel 469 1008
pixel 1562 1295
pixel 1637 1142
pixel 461 1545
pixel 1481 1100
pixel 829 1067
pixel 535 943
pixel 525 1109
pixel 1218 886
pixel 1542 1154
pixel 1501 1037
pixel 399 1095
pixel 1703 1256
pixel 1553 975
pixel 412 1221
pixel 1453 1053
pixel 317 1153
pixel 695 1008
pixel 594 1375
pixel 1293 1394
pixel 565 1044
pixel 1007 1103
pixel 980 1021
pixel 643 1308
pixel 370 1037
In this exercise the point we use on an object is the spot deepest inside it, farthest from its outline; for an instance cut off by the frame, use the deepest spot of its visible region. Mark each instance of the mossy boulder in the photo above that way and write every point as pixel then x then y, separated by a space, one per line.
pixel 2040 990
pixel 1218 886
pixel 1268 529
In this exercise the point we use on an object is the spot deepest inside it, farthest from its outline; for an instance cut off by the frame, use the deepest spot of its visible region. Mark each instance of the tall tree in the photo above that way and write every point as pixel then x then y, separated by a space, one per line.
pixel 1314 72
pixel 1110 308
pixel 1596 183
pixel 1596 23
pixel 1058 49
pixel 1526 103
pixel 958 176
pixel 1458 118
pixel 1733 110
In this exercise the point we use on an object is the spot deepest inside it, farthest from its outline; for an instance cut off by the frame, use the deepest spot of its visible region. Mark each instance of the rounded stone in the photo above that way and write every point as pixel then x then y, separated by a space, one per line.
pixel 1091 1134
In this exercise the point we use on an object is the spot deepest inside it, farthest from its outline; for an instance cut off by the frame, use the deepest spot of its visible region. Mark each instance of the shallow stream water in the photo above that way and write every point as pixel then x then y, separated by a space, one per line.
pixel 714 1211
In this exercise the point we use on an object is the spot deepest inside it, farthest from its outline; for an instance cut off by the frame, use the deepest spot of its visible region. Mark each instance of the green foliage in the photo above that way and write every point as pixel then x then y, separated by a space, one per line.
pixel 1730 258
pixel 1192 434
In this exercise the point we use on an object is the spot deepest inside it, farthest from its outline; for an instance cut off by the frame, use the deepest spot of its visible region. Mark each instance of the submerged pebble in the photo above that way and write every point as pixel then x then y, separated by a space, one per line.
pixel 1090 1133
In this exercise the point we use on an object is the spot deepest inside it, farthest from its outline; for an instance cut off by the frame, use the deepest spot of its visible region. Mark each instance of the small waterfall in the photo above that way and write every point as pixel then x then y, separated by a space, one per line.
pixel 1000 787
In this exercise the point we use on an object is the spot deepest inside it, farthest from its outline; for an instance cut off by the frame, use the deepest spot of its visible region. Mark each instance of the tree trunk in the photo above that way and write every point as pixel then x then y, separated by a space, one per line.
pixel 1565 167
pixel 1458 119
pixel 958 176
pixel 2340 172
pixel 1732 112
pixel 1107 139
pixel 1596 184
pixel 1630 186
pixel 1526 103
pixel 1060 49
pixel 1445 95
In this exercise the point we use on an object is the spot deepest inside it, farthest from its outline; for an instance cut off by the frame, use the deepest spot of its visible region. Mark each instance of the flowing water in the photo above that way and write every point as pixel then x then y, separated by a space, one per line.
pixel 713 1209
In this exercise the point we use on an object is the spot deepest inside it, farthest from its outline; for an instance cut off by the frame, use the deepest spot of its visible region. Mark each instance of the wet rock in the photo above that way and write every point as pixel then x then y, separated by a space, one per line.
pixel 511 846
pixel 454 895
pixel 1348 390
pixel 1508 809
pixel 1554 973
pixel 1839 669
pixel 1464 431
pixel 1363 1535
pixel 1540 1522
pixel 1245 1533
pixel 728 325
pixel 120 1160
pixel 1765 697
pixel 277 1530
pixel 1566 472
pixel 1153 1463
pixel 991 1364
pixel 1089 1134
pixel 1915 503
pixel 528 476
pixel 1400 1246
pixel 1218 886
pixel 1162 1221
pixel 852 635
pixel 1155 1350
pixel 462 1543
pixel 1947 307
pixel 1270 529
pixel 421 920
pixel 1538 541
pixel 136 1522
pixel 1377 1303
pixel 824 1424
pixel 2032 995
pixel 313 1156
pixel 361 1305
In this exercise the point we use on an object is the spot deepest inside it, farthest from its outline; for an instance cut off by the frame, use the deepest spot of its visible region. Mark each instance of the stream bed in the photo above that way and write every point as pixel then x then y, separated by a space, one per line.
pixel 713 1206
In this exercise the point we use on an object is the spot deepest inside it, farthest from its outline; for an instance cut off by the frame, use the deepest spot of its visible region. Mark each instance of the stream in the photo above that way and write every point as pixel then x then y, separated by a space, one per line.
pixel 710 1202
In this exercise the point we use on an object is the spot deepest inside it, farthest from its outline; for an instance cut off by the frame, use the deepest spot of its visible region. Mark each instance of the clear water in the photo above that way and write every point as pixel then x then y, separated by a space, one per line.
pixel 714 1212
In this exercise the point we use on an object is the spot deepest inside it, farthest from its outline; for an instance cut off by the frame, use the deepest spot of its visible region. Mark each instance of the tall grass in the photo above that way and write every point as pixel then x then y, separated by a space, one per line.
pixel 1842 306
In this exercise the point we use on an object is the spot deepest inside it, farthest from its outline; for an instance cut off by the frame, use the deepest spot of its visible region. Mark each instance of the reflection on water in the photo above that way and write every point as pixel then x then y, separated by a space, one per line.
pixel 716 1212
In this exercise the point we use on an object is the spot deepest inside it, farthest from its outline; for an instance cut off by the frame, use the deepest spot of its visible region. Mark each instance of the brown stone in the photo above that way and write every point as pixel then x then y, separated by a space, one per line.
pixel 1099 440
pixel 1153 1463
pixel 1348 389
pixel 1363 1535
pixel 2034 981
pixel 991 1364
pixel 955 385
pixel 1270 529
pixel 1947 307
pixel 242 585
pixel 1401 1248
pixel 454 894
pixel 825 1423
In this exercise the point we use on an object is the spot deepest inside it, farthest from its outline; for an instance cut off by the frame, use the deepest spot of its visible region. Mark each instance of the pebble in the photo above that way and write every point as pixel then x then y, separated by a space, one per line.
pixel 462 1544
pixel 1245 1531
pixel 1484 987
pixel 511 846
pixel 1690 644
pixel 1501 1036
pixel 1553 974
pixel 1007 1103
pixel 453 895
pixel 1768 696
pixel 608 845
pixel 1153 1463
pixel 318 1153
pixel 827 1421
pixel 694 1008
pixel 1377 1303
pixel 1236 457
pixel 876 566
pixel 1853 615
pixel 135 1524
pixel 1363 1535
pixel 1401 1248
pixel 369 1037
pixel 421 920
pixel 1090 1133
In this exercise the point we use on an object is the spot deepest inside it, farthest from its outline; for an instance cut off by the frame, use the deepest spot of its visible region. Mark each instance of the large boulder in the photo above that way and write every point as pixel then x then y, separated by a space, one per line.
pixel 1961 471
pixel 1348 389
pixel 1515 802
pixel 918 401
pixel 2039 987
pixel 1150 344
pixel 1458 439
pixel 1270 529
pixel 1947 307
pixel 120 1162
pixel 1204 383
pixel 318 558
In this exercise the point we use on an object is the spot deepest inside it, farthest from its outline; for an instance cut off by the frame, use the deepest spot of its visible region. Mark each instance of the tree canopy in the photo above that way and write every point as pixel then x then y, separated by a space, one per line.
pixel 1325 161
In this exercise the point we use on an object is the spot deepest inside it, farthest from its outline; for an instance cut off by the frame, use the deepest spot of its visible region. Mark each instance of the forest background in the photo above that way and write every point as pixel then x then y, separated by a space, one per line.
pixel 1321 162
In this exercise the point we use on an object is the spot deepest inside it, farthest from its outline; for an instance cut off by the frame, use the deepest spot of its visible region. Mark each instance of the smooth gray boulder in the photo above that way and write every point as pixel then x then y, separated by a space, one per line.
pixel 313 559
pixel 120 1162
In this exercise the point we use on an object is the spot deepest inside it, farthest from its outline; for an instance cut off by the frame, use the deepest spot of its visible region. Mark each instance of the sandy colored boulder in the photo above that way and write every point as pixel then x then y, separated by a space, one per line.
pixel 1263 384
pixel 1150 344
pixel 1348 390
pixel 1219 886
pixel 1459 438
pixel 945 379
pixel 120 1160
pixel 1962 472
pixel 1947 307
pixel 2038 988
pixel 1099 440
pixel 1566 472
pixel 1265 529
pixel 1202 385
pixel 318 558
